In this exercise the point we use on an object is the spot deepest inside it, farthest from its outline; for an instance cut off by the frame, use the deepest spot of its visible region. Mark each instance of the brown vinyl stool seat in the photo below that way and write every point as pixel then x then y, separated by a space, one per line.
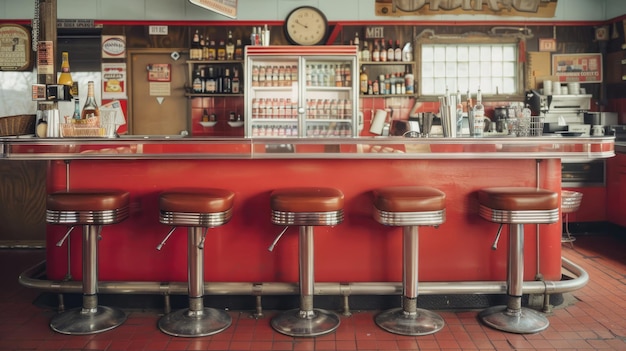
pixel 90 209
pixel 306 207
pixel 516 206
pixel 198 209
pixel 409 207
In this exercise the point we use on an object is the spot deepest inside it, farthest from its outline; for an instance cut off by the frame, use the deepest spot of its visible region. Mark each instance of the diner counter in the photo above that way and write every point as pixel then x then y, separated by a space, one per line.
pixel 357 250
pixel 162 147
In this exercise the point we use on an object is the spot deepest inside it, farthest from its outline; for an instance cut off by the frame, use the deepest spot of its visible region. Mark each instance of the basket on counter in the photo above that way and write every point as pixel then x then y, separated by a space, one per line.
pixel 17 125
pixel 89 127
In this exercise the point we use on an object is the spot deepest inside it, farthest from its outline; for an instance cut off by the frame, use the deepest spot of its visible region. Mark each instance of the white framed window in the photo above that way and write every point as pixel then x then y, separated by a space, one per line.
pixel 467 66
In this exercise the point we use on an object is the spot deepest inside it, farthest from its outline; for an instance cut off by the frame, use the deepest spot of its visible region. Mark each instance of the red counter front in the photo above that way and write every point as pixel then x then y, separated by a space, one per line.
pixel 358 250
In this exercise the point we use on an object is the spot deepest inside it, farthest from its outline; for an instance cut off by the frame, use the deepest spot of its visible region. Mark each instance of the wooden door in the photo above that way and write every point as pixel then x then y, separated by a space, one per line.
pixel 157 107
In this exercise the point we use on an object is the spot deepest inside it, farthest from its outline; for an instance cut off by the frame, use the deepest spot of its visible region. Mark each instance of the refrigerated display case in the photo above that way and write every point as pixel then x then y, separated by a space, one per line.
pixel 301 91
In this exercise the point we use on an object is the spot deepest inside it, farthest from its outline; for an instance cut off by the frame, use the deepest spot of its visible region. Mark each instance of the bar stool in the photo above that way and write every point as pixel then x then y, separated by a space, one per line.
pixel 570 202
pixel 90 209
pixel 306 207
pixel 198 210
pixel 409 207
pixel 516 206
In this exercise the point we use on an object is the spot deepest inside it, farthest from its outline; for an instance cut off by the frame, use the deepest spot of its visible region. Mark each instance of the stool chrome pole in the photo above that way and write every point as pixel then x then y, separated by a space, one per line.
pixel 408 319
pixel 513 317
pixel 306 321
pixel 90 318
pixel 196 320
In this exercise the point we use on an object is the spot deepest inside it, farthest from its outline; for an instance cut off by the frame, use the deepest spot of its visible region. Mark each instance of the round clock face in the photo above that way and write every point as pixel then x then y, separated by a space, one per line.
pixel 306 25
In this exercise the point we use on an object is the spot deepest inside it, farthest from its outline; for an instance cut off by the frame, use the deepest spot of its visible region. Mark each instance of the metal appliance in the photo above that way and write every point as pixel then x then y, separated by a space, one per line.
pixel 559 111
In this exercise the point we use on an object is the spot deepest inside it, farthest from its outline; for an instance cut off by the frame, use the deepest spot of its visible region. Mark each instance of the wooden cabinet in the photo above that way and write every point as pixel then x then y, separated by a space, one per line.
pixel 616 189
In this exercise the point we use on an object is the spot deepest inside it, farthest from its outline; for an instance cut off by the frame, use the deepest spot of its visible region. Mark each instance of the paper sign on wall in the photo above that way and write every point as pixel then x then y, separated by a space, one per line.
pixel 114 81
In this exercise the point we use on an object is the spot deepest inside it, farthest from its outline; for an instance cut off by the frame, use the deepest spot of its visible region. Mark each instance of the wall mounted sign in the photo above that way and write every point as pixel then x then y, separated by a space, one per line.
pixel 159 72
pixel 14 48
pixel 523 8
pixel 547 44
pixel 45 57
pixel 227 8
pixel 113 46
pixel 584 68
pixel 114 81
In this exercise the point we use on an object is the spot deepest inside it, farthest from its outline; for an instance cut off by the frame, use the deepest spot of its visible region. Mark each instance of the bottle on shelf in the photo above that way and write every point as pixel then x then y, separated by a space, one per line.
pixel 195 46
pixel 397 53
pixel 65 78
pixel 201 46
pixel 197 82
pixel 356 40
pixel 409 80
pixel 238 50
pixel 235 82
pixel 204 43
pixel 363 81
pixel 227 82
pixel 90 109
pixel 390 51
pixel 376 51
pixel 230 47
pixel 212 53
pixel 383 51
pixel 221 50
pixel 479 115
pixel 365 53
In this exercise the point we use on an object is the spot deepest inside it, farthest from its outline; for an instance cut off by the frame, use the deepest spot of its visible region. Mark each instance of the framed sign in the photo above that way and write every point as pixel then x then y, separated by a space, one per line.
pixel 159 72
pixel 584 68
pixel 15 48
pixel 547 44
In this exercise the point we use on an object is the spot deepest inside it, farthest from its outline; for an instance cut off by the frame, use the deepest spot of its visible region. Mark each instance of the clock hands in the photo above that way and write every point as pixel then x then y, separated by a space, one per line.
pixel 303 25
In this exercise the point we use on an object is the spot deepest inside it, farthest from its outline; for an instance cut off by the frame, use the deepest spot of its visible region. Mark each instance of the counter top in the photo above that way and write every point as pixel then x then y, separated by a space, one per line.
pixel 165 147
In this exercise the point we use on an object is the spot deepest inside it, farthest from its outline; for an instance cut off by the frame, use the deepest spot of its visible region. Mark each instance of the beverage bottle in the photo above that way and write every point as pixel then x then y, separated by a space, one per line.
pixel 363 81
pixel 235 82
pixel 365 53
pixel 479 115
pixel 65 78
pixel 76 114
pixel 230 47
pixel 397 52
pixel 375 88
pixel 197 82
pixel 210 85
pixel 356 40
pixel 90 109
pixel 227 82
pixel 390 51
pixel 204 43
pixel 254 37
pixel 212 54
pixel 195 45
pixel 238 50
pixel 201 48
pixel 221 51
pixel 409 80
pixel 376 51
pixel 383 51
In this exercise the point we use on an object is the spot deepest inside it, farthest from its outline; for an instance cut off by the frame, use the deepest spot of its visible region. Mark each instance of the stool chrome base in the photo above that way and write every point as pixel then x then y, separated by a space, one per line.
pixel 523 321
pixel 187 323
pixel 306 323
pixel 398 321
pixel 80 321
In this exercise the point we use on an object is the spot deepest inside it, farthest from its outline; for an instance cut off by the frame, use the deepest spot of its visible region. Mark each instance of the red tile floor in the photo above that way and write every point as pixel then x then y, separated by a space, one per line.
pixel 594 320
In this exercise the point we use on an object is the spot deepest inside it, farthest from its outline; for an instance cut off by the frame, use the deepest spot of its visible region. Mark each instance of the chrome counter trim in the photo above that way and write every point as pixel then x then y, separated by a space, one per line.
pixel 546 147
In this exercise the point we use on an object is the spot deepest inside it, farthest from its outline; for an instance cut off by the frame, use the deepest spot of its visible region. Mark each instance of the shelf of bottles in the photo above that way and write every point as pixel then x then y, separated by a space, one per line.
pixel 215 68
pixel 386 69
pixel 301 92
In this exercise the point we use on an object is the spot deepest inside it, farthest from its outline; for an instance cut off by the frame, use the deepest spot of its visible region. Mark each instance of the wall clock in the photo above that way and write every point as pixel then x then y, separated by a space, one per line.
pixel 306 25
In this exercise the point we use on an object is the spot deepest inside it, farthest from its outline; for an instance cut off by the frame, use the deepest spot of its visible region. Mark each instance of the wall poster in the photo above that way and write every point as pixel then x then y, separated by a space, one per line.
pixel 584 68
pixel 523 8
pixel 114 81
pixel 15 47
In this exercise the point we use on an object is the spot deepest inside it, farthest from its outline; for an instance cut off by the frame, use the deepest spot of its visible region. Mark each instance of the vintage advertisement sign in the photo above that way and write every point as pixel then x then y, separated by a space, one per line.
pixel 113 46
pixel 14 47
pixel 523 8
pixel 114 81
pixel 227 8
pixel 584 68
